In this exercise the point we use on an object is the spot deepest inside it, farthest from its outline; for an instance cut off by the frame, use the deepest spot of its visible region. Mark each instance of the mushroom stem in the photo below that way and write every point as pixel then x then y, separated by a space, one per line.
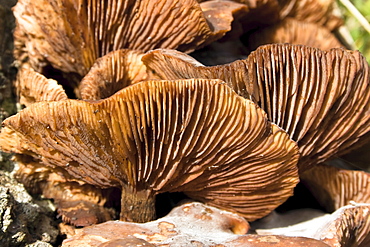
pixel 137 206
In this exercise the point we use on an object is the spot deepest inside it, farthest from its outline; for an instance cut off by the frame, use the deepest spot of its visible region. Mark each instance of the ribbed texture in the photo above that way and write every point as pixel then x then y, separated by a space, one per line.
pixel 33 87
pixel 348 226
pixel 322 99
pixel 296 32
pixel 171 65
pixel 71 35
pixel 196 136
pixel 112 72
pixel 315 11
pixel 335 188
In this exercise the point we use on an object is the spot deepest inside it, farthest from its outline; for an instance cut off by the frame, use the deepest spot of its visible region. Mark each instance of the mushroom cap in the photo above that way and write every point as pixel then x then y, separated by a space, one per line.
pixel 111 73
pixel 221 14
pixel 321 98
pixel 71 35
pixel 191 224
pixel 314 11
pixel 335 188
pixel 349 226
pixel 195 136
pixel 289 30
pixel 33 87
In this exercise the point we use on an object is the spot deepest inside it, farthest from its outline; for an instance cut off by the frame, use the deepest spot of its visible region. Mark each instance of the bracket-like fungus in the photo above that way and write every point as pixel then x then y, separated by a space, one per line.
pixel 194 136
pixel 191 224
pixel 321 98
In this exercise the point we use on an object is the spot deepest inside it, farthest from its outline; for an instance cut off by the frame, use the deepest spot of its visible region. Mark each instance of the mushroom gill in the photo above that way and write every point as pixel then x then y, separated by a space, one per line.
pixel 195 136
pixel 108 75
pixel 33 87
pixel 111 73
pixel 335 188
pixel 289 30
pixel 71 35
pixel 321 98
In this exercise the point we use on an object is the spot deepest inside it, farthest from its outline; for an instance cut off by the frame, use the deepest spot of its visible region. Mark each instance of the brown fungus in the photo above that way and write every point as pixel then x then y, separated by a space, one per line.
pixel 111 73
pixel 321 98
pixel 314 11
pixel 194 136
pixel 348 226
pixel 335 188
pixel 33 87
pixel 108 75
pixel 289 31
pixel 71 35
pixel 76 203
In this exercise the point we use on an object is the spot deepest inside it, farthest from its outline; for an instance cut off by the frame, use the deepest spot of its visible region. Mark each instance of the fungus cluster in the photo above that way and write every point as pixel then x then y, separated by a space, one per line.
pixel 125 100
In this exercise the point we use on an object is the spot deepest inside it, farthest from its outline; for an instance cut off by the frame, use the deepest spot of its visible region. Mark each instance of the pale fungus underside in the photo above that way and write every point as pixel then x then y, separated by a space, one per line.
pixel 321 98
pixel 194 136
pixel 190 223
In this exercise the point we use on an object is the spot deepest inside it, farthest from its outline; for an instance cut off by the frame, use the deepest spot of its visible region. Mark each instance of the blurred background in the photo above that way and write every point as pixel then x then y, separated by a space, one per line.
pixel 360 35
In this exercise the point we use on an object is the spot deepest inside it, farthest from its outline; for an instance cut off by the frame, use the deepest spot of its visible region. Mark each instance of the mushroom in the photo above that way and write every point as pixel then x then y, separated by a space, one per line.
pixel 191 224
pixel 70 36
pixel 289 30
pixel 109 74
pixel 314 11
pixel 194 136
pixel 348 226
pixel 33 87
pixel 335 188
pixel 77 204
pixel 321 98
pixel 112 72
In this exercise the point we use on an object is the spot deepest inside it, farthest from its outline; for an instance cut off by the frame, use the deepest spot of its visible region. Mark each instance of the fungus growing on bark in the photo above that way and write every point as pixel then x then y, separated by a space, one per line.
pixel 321 98
pixel 77 204
pixel 335 188
pixel 194 136
pixel 191 224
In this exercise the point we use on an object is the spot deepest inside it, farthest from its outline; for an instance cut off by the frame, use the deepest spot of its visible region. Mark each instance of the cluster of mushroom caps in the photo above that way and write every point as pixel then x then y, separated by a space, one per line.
pixel 152 119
